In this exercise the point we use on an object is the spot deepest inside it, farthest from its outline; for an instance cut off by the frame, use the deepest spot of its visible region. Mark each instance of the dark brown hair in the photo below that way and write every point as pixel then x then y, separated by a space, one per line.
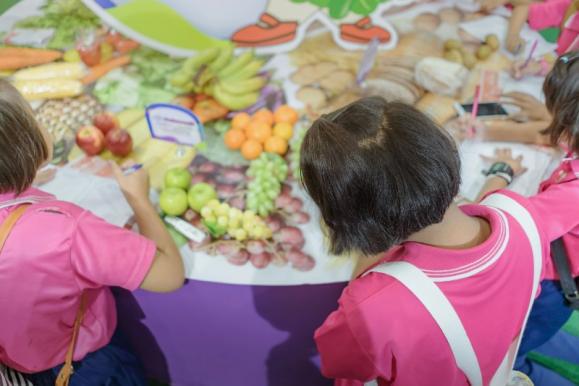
pixel 23 148
pixel 561 90
pixel 379 172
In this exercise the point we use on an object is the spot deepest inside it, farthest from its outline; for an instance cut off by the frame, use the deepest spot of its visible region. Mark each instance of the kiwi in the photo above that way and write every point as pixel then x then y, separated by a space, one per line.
pixel 484 52
pixel 493 42
pixel 453 56
pixel 452 44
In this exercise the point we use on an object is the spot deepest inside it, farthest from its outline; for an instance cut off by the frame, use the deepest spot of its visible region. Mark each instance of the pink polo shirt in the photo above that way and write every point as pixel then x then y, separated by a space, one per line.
pixel 381 331
pixel 55 251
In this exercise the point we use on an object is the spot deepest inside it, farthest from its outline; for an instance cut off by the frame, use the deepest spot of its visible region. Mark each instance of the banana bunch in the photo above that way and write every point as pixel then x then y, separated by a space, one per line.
pixel 234 81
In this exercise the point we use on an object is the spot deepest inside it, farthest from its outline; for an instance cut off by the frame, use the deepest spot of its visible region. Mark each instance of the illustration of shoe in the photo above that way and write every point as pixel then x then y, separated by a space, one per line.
pixel 363 32
pixel 268 31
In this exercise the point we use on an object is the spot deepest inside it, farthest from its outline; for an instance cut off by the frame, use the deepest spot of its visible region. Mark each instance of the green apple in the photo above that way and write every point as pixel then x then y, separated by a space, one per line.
pixel 200 194
pixel 173 201
pixel 177 178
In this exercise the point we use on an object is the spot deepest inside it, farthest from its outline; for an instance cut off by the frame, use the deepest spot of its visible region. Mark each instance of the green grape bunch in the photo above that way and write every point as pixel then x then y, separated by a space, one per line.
pixel 268 173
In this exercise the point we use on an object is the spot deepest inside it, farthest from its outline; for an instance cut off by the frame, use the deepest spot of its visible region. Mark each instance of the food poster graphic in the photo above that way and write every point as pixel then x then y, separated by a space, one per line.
pixel 182 27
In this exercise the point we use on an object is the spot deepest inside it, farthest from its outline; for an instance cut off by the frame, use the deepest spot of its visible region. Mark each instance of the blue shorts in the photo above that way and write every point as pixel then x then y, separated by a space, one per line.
pixel 112 365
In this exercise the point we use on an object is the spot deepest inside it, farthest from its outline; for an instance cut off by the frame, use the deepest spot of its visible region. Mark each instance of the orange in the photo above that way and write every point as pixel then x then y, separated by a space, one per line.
pixel 287 114
pixel 283 130
pixel 263 115
pixel 234 138
pixel 251 149
pixel 276 145
pixel 240 121
pixel 260 131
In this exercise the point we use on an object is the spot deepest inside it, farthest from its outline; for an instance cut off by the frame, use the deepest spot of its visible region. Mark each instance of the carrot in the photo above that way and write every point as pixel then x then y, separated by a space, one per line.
pixel 28 52
pixel 24 59
pixel 100 70
pixel 209 110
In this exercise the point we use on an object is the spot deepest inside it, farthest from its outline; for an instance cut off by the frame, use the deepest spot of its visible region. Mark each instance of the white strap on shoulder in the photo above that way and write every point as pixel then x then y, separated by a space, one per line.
pixel 442 311
pixel 524 218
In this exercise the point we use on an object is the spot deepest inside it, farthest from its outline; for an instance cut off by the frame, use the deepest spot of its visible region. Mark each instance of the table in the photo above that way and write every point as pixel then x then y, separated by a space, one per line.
pixel 209 334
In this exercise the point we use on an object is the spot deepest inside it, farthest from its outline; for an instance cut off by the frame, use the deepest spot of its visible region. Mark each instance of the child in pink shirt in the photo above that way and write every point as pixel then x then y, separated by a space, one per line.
pixel 540 15
pixel 57 251
pixel 384 177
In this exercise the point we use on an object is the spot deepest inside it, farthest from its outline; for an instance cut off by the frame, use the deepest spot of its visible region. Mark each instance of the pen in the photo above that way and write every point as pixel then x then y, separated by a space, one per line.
pixel 132 169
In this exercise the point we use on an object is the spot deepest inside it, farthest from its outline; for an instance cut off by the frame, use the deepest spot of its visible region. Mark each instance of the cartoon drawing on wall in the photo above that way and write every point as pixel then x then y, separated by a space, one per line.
pixel 181 27
pixel 353 23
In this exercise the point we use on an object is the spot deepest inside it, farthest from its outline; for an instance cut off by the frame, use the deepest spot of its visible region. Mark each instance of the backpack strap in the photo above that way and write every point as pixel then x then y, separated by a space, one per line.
pixel 9 223
pixel 441 311
pixel 525 220
pixel 444 314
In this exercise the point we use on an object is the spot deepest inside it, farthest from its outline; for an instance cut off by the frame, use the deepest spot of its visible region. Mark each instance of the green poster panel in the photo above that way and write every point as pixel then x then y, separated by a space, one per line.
pixel 6 4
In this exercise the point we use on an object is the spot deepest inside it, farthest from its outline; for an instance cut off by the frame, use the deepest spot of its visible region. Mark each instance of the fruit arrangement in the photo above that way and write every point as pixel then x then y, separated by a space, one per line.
pixel 268 173
pixel 454 51
pixel 104 133
pixel 294 155
pixel 234 81
pixel 63 117
pixel 221 219
pixel 211 198
pixel 263 131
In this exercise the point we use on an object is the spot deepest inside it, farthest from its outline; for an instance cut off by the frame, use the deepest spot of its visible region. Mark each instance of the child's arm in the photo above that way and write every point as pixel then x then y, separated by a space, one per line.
pixel 509 131
pixel 167 272
pixel 519 17
pixel 489 5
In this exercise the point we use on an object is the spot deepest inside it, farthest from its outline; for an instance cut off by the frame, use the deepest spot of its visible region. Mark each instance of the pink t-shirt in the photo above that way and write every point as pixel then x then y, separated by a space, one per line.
pixel 566 173
pixel 55 251
pixel 550 13
pixel 381 331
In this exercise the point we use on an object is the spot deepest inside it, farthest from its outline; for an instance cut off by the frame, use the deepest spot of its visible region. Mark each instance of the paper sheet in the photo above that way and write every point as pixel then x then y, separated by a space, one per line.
pixel 536 159
pixel 101 196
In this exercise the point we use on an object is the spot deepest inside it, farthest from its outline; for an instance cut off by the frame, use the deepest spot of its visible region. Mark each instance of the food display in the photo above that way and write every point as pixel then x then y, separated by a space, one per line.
pixel 234 202
pixel 246 214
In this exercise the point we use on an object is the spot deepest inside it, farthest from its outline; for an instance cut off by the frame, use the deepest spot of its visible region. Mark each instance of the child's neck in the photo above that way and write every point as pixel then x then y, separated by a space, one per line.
pixel 456 231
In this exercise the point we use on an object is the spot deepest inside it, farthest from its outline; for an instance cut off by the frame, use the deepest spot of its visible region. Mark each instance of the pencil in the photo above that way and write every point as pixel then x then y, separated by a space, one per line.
pixel 475 103
pixel 531 53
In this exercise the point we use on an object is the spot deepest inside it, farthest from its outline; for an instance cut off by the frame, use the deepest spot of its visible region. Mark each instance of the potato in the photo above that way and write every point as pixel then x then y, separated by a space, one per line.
pixel 493 42
pixel 452 44
pixel 484 52
pixel 453 56
pixel 469 60
pixel 426 22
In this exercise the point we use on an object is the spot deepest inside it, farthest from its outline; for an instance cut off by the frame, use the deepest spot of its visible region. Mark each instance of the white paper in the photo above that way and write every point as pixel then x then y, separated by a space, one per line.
pixel 537 160
pixel 101 196
pixel 480 29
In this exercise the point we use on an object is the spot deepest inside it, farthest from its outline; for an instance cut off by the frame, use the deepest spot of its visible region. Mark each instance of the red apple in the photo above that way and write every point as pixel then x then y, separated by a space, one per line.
pixel 91 140
pixel 105 122
pixel 119 142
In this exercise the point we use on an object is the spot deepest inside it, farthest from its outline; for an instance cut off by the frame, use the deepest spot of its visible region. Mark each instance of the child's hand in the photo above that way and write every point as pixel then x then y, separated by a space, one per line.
pixel 134 186
pixel 466 127
pixel 506 155
pixel 519 71
pixel 531 108
pixel 515 43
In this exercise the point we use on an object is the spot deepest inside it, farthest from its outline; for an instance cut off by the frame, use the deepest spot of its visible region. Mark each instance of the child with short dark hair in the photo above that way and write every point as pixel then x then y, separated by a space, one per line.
pixel 448 297
pixel 57 262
